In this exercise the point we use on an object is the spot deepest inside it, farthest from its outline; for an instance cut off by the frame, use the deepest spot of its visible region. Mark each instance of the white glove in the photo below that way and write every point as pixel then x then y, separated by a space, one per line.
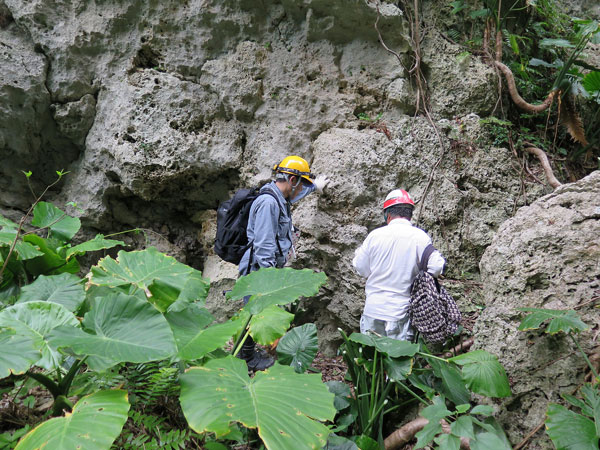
pixel 320 182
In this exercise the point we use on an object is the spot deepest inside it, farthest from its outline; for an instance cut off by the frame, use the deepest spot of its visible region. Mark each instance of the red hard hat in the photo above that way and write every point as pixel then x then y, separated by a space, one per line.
pixel 397 197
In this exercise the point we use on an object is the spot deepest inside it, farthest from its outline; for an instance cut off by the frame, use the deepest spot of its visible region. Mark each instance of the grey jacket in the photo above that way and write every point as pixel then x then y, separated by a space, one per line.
pixel 269 224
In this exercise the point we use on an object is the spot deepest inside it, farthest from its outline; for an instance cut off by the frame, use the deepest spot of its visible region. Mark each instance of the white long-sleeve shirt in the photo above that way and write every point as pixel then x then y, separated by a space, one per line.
pixel 389 259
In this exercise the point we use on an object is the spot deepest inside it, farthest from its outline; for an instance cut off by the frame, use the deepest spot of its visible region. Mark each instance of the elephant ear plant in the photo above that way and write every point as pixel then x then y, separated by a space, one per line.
pixel 139 307
pixel 566 428
pixel 286 407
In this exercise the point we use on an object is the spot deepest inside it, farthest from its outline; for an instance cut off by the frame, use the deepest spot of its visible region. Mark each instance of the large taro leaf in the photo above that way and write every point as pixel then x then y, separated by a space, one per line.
pixel 50 262
pixel 122 328
pixel 193 338
pixel 271 286
pixel 270 324
pixel 46 215
pixel 37 320
pixel 23 249
pixel 565 320
pixel 98 243
pixel 166 297
pixel 391 347
pixel 483 374
pixel 281 403
pixel 18 353
pixel 170 282
pixel 94 424
pixel 298 347
pixel 569 430
pixel 65 289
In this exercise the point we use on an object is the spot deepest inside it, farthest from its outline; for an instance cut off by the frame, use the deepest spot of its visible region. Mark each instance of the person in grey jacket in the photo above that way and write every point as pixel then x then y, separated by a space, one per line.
pixel 271 232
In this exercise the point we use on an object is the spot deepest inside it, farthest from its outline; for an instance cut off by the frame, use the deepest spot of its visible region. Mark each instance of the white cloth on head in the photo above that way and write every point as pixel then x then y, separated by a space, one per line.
pixel 388 259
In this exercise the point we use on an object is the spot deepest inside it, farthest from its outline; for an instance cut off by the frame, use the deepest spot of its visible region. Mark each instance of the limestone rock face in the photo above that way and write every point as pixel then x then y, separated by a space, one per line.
pixel 547 256
pixel 161 110
pixel 359 161
pixel 460 83
pixel 29 140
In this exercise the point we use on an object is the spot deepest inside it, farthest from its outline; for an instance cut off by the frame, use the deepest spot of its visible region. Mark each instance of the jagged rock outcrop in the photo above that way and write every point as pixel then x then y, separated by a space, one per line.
pixel 161 110
pixel 547 256
pixel 29 139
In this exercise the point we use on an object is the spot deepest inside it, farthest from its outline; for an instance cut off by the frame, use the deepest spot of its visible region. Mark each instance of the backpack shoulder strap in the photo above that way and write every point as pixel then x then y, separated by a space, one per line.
pixel 268 192
pixel 425 257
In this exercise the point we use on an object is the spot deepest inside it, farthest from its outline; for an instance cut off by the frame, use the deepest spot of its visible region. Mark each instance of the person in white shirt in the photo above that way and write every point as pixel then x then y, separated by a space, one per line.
pixel 389 259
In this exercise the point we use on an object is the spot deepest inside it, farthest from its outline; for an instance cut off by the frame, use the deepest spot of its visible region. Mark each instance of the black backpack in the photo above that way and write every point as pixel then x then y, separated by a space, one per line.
pixel 433 312
pixel 231 241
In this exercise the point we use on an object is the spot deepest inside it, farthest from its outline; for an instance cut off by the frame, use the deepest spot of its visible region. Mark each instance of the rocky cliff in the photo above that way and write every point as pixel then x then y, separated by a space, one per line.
pixel 161 109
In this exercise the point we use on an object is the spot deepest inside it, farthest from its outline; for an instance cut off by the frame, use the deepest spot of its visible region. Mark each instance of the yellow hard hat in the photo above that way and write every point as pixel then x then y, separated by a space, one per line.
pixel 295 165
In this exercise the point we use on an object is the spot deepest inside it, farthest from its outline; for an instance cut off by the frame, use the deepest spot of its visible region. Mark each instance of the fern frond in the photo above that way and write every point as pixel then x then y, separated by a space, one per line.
pixel 572 120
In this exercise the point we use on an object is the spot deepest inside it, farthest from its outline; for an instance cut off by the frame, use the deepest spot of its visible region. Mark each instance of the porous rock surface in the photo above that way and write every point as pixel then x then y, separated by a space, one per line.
pixel 546 256
pixel 160 110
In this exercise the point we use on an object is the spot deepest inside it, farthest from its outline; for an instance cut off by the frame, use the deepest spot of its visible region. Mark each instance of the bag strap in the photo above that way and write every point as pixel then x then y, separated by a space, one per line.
pixel 425 257
pixel 250 244
pixel 268 192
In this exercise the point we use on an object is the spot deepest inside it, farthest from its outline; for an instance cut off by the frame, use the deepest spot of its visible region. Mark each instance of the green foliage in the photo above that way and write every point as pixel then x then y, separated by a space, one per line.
pixel 173 285
pixel 119 328
pixel 35 321
pixel 65 289
pixel 62 226
pixel 271 286
pixel 365 356
pixel 9 440
pixel 591 83
pixel 365 117
pixel 385 345
pixel 279 402
pixel 298 347
pixel 194 337
pixel 150 432
pixel 152 382
pixel 269 325
pixel 481 434
pixel 95 423
pixel 98 243
pixel 544 49
pixel 19 352
pixel 379 366
pixel 560 321
pixel 498 129
pixel 567 429
pixel 483 374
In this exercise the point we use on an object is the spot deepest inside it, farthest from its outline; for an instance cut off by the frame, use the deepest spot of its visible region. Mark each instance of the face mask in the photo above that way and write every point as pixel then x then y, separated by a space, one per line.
pixel 303 193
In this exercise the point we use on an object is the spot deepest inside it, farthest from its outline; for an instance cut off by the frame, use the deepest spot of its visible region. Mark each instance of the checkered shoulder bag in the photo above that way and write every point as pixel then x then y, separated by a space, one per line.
pixel 433 312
